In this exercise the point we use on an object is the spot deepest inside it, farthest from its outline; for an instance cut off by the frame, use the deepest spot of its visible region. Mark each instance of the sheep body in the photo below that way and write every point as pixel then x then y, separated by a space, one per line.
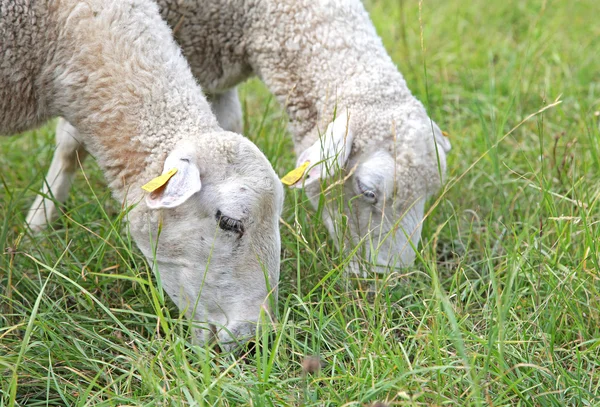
pixel 317 56
pixel 113 71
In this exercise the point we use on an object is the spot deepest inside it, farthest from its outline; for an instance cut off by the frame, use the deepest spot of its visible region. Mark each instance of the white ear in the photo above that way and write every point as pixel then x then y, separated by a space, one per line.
pixel 441 139
pixel 184 184
pixel 328 154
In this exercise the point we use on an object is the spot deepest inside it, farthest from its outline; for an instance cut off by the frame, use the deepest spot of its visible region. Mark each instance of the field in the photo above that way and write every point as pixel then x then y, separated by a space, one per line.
pixel 502 307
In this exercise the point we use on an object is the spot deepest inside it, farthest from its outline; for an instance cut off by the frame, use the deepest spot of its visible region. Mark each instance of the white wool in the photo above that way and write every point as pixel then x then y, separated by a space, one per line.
pixel 316 56
pixel 112 69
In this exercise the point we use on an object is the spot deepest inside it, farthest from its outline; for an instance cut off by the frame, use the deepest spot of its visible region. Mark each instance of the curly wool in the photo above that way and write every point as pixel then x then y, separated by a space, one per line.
pixel 314 56
pixel 118 84
pixel 113 70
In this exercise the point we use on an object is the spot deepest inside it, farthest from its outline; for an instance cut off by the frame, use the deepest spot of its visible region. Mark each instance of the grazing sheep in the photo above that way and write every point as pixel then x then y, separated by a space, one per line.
pixel 112 69
pixel 317 56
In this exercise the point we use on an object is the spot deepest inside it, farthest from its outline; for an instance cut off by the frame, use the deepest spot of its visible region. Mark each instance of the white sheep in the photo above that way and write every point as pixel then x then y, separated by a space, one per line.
pixel 112 69
pixel 317 56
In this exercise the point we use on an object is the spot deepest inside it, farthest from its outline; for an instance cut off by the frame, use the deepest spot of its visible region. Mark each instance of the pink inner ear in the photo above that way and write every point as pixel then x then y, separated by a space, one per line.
pixel 314 173
pixel 157 193
pixel 159 198
pixel 153 200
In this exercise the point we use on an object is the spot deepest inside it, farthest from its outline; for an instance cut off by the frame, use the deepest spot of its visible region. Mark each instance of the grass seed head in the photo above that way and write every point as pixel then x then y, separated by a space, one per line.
pixel 311 364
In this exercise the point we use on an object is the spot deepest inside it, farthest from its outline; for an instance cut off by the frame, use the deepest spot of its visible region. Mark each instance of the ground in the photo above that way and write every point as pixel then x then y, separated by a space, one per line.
pixel 502 307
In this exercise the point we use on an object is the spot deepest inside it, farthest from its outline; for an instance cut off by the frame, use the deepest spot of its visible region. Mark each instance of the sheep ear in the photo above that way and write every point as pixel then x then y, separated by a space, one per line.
pixel 177 189
pixel 328 154
pixel 441 138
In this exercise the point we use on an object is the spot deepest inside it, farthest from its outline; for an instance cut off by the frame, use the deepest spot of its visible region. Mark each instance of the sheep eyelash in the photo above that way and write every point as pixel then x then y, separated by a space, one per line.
pixel 369 194
pixel 229 224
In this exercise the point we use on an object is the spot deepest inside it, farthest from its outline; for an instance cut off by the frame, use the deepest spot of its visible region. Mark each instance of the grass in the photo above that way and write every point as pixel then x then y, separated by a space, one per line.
pixel 502 307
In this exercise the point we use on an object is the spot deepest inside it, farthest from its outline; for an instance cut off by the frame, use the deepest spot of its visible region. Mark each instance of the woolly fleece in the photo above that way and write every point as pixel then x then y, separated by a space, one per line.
pixel 113 70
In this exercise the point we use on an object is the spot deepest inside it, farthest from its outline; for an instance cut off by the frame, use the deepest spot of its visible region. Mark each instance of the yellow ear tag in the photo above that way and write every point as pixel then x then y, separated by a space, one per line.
pixel 159 181
pixel 295 175
pixel 445 134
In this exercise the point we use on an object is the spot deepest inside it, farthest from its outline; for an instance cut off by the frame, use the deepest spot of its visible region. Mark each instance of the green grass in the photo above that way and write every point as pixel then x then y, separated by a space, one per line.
pixel 501 309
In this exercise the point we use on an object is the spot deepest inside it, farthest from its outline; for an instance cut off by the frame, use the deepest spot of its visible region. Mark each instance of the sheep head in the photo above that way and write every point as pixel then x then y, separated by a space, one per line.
pixel 384 185
pixel 211 233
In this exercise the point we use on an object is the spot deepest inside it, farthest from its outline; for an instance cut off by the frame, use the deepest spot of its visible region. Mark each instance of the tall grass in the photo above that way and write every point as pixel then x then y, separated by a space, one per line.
pixel 501 308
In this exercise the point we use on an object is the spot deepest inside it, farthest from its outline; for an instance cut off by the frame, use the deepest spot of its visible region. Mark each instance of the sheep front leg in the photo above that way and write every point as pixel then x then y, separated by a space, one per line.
pixel 69 152
pixel 228 110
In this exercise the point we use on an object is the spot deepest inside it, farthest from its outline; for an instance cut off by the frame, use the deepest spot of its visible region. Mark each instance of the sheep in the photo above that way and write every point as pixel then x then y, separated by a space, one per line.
pixel 112 70
pixel 348 106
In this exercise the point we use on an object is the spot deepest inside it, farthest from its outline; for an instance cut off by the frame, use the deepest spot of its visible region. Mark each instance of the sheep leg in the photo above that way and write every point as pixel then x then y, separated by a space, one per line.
pixel 228 110
pixel 69 152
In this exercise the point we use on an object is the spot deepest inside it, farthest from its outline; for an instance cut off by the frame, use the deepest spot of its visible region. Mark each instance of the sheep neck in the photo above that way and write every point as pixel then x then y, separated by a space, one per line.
pixel 337 61
pixel 128 91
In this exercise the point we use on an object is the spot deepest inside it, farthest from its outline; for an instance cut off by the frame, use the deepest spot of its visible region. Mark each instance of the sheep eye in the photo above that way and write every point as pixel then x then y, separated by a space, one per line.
pixel 369 194
pixel 229 224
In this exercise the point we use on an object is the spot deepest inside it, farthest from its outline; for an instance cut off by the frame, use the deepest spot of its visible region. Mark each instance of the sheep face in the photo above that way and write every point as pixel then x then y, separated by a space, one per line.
pixel 214 235
pixel 383 218
pixel 384 189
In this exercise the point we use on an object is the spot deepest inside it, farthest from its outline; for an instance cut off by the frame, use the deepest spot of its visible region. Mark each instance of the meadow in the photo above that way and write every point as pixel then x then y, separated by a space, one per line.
pixel 502 307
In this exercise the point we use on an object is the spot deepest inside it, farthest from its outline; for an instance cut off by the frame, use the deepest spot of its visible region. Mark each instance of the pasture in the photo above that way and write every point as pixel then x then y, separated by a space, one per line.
pixel 502 307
